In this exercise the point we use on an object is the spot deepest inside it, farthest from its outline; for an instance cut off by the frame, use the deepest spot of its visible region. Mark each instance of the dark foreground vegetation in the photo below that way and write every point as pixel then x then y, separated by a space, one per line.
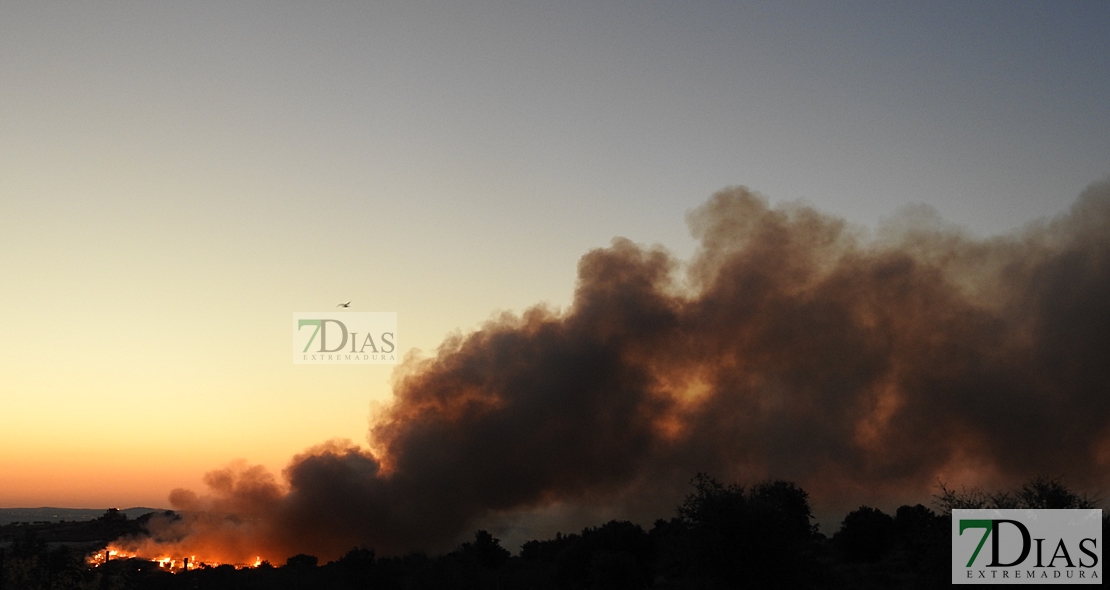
pixel 722 536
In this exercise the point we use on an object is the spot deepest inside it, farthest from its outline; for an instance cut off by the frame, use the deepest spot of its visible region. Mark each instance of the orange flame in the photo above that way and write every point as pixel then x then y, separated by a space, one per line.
pixel 172 564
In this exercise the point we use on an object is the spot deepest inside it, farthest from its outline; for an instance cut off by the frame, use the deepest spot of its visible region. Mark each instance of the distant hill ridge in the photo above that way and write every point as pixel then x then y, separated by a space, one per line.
pixel 49 514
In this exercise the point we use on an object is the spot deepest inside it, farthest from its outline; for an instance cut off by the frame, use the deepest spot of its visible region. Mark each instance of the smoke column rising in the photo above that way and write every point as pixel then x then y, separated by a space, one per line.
pixel 791 346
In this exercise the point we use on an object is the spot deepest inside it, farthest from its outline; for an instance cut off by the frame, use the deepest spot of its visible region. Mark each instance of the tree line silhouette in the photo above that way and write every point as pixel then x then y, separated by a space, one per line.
pixel 722 536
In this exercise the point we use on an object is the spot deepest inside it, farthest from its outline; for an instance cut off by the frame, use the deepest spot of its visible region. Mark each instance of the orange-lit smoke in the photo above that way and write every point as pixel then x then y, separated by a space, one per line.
pixel 791 346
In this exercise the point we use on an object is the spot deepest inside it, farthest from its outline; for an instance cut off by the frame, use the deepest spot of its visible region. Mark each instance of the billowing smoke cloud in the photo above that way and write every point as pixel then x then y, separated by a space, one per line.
pixel 791 346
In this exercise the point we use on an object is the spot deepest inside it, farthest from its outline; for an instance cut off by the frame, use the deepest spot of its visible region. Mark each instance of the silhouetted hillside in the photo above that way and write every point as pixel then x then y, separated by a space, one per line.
pixel 721 536
pixel 110 525
pixel 50 514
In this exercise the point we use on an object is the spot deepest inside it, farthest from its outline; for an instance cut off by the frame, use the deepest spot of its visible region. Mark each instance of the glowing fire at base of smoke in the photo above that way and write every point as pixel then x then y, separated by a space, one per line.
pixel 166 563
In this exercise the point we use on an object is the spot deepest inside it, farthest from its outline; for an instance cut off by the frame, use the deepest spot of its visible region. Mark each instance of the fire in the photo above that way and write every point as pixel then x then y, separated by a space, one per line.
pixel 172 564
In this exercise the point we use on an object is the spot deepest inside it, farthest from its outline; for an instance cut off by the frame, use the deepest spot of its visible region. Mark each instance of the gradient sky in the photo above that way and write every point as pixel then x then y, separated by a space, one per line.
pixel 177 179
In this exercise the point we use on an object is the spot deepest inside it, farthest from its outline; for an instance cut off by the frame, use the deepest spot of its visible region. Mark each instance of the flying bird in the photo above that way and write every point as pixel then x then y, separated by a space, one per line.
pixel 348 304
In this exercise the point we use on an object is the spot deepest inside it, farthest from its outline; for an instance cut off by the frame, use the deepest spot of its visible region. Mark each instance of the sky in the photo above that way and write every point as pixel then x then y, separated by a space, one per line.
pixel 177 179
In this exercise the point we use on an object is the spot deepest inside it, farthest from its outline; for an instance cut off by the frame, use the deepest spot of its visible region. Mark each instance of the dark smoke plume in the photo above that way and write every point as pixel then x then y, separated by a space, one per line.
pixel 791 346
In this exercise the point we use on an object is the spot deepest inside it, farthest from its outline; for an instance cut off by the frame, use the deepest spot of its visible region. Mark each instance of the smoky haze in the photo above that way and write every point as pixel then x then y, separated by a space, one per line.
pixel 791 346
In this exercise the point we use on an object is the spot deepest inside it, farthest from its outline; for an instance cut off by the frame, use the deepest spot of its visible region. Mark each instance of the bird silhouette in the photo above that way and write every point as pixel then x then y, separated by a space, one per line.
pixel 348 304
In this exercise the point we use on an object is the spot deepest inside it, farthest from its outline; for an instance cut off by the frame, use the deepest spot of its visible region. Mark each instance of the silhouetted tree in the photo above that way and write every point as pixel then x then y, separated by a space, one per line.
pixel 788 503
pixel 1050 492
pixel 301 561
pixel 865 534
pixel 1038 492
pixel 761 537
pixel 356 567
pixel 620 555
pixel 486 551
pixel 711 503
